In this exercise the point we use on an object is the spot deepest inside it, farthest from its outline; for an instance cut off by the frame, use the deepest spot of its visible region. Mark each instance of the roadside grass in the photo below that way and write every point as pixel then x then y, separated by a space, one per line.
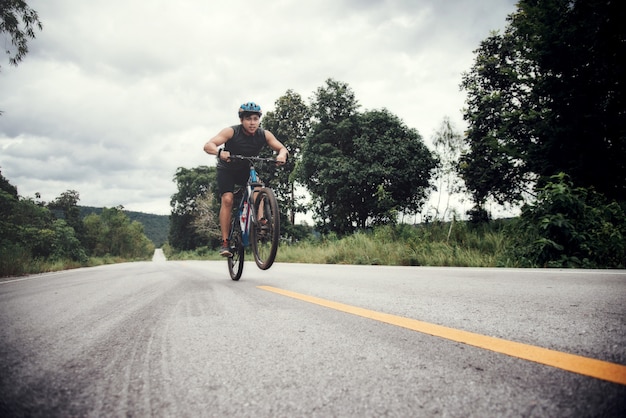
pixel 26 265
pixel 456 244
pixel 441 244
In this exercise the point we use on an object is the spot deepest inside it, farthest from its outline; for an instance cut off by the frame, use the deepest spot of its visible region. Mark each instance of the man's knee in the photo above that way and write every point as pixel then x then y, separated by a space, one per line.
pixel 227 200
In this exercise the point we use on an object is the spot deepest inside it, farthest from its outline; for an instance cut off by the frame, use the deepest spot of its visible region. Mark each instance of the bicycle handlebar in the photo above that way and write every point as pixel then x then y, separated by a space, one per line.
pixel 251 159
pixel 243 157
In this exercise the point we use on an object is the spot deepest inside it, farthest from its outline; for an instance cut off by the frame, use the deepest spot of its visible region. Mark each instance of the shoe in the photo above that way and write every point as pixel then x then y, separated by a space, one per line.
pixel 225 250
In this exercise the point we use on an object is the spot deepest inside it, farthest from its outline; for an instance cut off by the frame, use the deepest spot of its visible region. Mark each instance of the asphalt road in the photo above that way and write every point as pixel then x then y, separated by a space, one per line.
pixel 180 339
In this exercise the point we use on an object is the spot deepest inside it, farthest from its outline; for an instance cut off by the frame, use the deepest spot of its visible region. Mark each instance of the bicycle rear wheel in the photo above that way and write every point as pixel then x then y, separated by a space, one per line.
pixel 265 232
pixel 235 262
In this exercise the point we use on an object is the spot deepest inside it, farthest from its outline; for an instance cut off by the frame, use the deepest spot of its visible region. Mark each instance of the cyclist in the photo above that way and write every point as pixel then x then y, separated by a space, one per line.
pixel 246 139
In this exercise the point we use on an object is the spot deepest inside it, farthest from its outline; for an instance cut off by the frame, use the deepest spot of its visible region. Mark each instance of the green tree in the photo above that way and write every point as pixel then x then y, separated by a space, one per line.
pixel 95 233
pixel 23 223
pixel 361 168
pixel 395 167
pixel 547 97
pixel 324 160
pixel 115 236
pixel 28 231
pixel 192 184
pixel 289 122
pixel 142 247
pixel 65 244
pixel 113 233
pixel 6 186
pixel 66 207
pixel 8 208
pixel 18 21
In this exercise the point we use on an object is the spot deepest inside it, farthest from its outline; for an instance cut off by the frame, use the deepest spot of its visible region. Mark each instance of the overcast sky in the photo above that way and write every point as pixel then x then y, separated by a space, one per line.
pixel 115 95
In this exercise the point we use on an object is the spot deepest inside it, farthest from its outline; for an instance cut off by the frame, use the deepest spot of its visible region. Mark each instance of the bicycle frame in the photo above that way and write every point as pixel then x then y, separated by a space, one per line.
pixel 246 215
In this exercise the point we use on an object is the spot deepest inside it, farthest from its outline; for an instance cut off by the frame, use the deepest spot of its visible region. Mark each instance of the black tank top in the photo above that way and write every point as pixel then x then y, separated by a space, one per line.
pixel 243 144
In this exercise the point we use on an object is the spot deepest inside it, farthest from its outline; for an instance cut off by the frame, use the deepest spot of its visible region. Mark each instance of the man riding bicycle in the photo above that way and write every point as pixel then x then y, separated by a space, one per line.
pixel 246 139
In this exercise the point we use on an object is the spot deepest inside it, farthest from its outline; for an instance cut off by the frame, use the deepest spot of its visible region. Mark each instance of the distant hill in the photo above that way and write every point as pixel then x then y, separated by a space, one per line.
pixel 156 227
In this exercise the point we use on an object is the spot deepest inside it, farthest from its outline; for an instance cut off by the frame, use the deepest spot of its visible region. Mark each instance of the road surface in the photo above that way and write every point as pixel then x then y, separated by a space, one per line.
pixel 180 339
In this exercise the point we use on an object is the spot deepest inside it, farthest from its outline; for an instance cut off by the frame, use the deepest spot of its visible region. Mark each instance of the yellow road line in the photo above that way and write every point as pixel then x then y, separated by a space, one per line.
pixel 599 369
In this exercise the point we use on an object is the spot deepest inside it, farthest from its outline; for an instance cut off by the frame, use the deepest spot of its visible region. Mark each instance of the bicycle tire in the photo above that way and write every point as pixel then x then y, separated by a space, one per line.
pixel 265 232
pixel 235 262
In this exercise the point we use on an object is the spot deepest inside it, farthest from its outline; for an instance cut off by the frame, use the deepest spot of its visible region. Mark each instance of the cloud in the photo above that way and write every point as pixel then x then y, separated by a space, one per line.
pixel 115 95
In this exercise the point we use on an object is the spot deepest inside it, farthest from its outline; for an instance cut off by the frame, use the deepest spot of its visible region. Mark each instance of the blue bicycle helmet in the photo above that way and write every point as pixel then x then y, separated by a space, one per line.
pixel 249 108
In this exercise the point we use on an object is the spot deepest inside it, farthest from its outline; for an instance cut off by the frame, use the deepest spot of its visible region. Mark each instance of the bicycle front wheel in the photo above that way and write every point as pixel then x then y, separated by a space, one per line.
pixel 235 262
pixel 265 232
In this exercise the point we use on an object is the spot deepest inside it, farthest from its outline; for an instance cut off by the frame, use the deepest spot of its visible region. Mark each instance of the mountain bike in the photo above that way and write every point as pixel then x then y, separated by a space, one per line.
pixel 255 222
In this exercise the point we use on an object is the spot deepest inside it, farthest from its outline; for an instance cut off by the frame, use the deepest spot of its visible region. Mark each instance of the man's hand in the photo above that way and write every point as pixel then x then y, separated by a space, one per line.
pixel 224 155
pixel 281 158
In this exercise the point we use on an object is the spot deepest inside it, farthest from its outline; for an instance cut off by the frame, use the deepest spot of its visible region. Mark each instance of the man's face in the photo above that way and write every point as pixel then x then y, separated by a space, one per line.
pixel 251 123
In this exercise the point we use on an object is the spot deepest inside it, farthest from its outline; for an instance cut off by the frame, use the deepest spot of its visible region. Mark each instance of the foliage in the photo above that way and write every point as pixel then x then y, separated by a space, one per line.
pixel 570 227
pixel 25 227
pixel 361 168
pixel 289 122
pixel 7 187
pixel 18 21
pixel 36 237
pixel 65 244
pixel 66 207
pixel 547 97
pixel 113 233
pixel 192 184
pixel 156 227
pixel 478 215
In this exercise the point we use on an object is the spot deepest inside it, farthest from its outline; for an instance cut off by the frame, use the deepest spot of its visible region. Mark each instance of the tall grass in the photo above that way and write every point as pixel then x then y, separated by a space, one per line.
pixel 435 244
pixel 457 244
pixel 24 264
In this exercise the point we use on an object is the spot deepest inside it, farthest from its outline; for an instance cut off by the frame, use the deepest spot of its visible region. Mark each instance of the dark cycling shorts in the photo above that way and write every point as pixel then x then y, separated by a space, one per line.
pixel 228 177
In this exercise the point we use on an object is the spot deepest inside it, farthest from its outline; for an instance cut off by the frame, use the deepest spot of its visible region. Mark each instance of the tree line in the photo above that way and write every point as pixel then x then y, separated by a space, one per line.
pixel 35 234
pixel 155 227
pixel 547 122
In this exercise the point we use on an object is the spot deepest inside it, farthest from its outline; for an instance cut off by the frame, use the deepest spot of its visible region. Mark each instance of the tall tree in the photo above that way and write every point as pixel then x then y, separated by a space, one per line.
pixel 361 168
pixel 6 186
pixel 18 21
pixel 547 97
pixel 66 207
pixel 395 165
pixel 449 146
pixel 113 233
pixel 290 122
pixel 324 166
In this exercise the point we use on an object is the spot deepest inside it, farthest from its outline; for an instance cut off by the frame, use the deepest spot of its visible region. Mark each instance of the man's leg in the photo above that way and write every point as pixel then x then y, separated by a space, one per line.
pixel 260 213
pixel 226 211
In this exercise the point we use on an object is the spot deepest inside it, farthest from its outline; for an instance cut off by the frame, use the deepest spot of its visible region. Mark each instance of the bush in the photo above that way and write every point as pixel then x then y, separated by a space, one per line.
pixel 65 245
pixel 569 227
pixel 14 259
